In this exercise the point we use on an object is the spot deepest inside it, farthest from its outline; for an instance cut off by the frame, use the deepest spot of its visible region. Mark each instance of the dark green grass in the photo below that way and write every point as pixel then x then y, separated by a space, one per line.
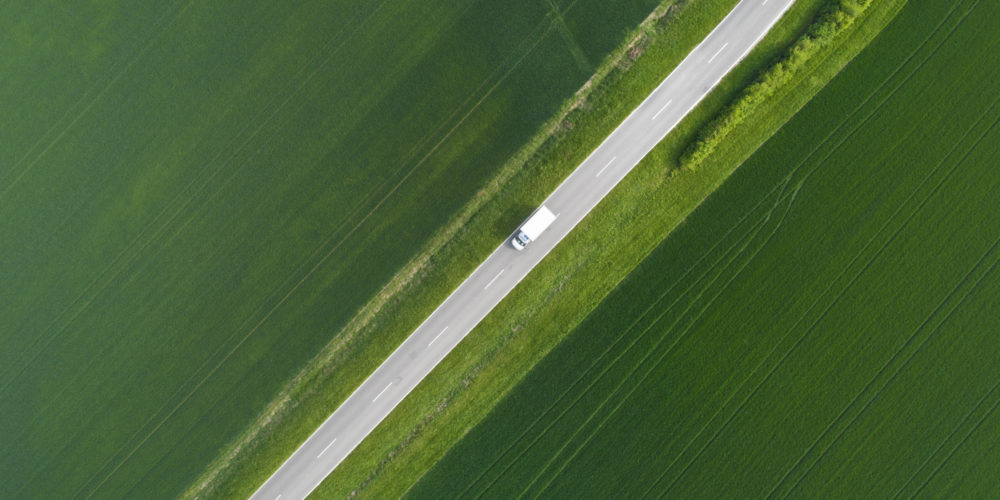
pixel 195 197
pixel 822 326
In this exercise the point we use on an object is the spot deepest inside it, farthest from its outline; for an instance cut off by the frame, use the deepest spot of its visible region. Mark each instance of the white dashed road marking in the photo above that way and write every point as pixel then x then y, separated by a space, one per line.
pixel 494 279
pixel 606 167
pixel 437 336
pixel 719 52
pixel 383 392
pixel 324 450
pixel 663 108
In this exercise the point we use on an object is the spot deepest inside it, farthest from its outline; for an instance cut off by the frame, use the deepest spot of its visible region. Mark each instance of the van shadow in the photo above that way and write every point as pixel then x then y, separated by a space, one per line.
pixel 511 220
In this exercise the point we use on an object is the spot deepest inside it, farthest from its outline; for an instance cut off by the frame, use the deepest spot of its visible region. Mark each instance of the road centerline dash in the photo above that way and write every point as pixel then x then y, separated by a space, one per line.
pixel 383 392
pixel 437 336
pixel 665 106
pixel 327 448
pixel 719 52
pixel 606 166
pixel 494 279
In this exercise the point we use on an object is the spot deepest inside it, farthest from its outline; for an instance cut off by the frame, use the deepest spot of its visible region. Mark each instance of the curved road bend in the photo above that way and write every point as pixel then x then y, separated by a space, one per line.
pixel 698 73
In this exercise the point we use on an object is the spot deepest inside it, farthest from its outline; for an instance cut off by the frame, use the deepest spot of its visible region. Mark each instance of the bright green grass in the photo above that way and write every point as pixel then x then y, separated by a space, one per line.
pixel 195 196
pixel 824 325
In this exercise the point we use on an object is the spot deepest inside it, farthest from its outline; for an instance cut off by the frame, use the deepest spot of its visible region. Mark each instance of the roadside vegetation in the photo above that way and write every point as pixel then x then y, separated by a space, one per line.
pixel 560 292
pixel 823 325
pixel 835 18
pixel 196 197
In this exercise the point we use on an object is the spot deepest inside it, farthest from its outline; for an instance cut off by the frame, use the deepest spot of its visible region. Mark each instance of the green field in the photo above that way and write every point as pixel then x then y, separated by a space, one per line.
pixel 824 325
pixel 194 198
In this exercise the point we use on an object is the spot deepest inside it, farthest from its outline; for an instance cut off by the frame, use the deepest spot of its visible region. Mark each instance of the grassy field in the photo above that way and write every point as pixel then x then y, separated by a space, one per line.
pixel 194 199
pixel 822 326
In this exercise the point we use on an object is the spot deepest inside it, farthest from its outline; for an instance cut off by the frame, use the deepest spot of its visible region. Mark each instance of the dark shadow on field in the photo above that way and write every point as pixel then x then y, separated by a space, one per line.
pixel 511 219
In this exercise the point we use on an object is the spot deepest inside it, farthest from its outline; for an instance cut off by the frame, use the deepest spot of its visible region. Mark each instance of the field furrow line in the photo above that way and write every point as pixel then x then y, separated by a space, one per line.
pixel 736 246
pixel 932 314
pixel 809 330
pixel 195 187
pixel 972 431
pixel 836 299
pixel 184 202
pixel 824 141
pixel 101 282
pixel 43 336
pixel 873 103
pixel 712 273
pixel 897 355
pixel 130 60
pixel 964 440
pixel 235 153
pixel 690 323
pixel 512 62
pixel 792 198
pixel 599 376
pixel 657 362
pixel 729 398
pixel 497 78
pixel 329 253
pixel 639 318
pixel 694 318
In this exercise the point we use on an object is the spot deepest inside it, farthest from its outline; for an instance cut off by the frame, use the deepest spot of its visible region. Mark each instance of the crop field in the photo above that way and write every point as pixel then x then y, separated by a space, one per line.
pixel 194 197
pixel 824 325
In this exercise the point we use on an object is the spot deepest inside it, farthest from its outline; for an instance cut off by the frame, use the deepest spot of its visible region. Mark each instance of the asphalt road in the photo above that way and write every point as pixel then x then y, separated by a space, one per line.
pixel 703 68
